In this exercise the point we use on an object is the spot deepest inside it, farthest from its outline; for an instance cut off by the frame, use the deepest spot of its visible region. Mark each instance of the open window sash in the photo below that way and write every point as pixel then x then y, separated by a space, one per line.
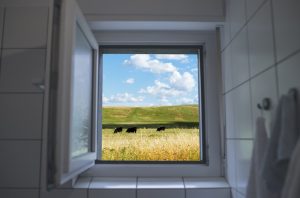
pixel 76 95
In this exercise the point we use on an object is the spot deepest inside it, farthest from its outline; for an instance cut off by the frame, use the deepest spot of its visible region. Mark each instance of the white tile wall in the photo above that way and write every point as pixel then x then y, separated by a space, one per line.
pixel 226 32
pixel 22 70
pixel 261 49
pixel 65 193
pixel 113 187
pixel 25 27
pixel 227 69
pixel 17 193
pixel 231 163
pixel 287 28
pixel 288 74
pixel 160 188
pixel 1 24
pixel 160 193
pixel 239 61
pixel 273 36
pixel 206 188
pixel 111 183
pixel 21 116
pixel 252 6
pixel 112 193
pixel 243 156
pixel 264 86
pixel 20 164
pixel 237 14
pixel 207 193
pixel 238 105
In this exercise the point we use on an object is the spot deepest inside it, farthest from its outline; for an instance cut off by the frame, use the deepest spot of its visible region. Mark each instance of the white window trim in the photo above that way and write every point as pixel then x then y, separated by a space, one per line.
pixel 68 167
pixel 213 143
pixel 212 116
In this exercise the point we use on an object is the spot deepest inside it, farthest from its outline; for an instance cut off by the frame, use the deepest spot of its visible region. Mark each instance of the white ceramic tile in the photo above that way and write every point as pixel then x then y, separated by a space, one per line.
pixel 22 70
pixel 263 86
pixel 205 182
pixel 25 27
pixel 239 59
pixel 21 116
pixel 160 193
pixel 113 183
pixel 252 6
pixel 160 188
pixel 288 74
pixel 208 193
pixel 65 193
pixel 261 48
pixel 111 187
pixel 160 183
pixel 20 164
pixel 17 193
pixel 1 24
pixel 229 114
pixel 231 163
pixel 233 193
pixel 240 195
pixel 227 69
pixel 112 193
pixel 225 31
pixel 83 182
pixel 238 113
pixel 237 11
pixel 243 160
pixel 287 28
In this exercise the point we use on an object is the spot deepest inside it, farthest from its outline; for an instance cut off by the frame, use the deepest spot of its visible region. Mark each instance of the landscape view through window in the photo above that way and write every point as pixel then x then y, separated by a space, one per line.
pixel 150 107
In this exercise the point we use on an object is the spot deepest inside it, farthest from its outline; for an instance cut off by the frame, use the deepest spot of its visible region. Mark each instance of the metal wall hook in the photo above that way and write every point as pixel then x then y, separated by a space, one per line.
pixel 293 92
pixel 265 105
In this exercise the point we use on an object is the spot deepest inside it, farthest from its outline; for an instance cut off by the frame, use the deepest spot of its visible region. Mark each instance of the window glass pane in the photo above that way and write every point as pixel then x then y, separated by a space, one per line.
pixel 150 109
pixel 81 109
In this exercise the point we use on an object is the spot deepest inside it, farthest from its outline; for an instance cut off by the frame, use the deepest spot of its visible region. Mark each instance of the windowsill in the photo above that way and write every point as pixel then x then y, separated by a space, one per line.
pixel 153 170
pixel 103 183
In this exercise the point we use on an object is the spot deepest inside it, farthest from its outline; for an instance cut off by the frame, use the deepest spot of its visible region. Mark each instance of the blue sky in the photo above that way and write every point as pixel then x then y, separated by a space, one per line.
pixel 150 79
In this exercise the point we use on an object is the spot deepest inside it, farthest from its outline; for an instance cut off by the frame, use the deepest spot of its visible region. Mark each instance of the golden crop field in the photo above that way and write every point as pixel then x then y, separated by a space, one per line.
pixel 173 144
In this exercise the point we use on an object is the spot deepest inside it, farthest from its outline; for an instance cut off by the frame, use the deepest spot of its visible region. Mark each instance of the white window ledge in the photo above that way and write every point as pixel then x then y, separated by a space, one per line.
pixel 151 183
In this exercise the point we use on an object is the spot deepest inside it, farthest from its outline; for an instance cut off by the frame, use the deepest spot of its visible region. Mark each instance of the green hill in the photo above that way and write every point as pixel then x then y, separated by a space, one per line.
pixel 175 116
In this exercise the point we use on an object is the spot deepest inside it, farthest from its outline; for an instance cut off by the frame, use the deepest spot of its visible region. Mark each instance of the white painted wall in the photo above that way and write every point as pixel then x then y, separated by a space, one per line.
pixel 154 10
pixel 261 55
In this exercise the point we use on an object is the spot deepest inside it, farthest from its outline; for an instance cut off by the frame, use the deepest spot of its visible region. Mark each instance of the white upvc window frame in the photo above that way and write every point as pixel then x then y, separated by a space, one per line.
pixel 212 167
pixel 67 167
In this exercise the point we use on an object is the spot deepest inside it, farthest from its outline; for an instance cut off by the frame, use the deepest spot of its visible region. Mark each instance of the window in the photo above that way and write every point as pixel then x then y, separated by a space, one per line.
pixel 152 100
pixel 72 151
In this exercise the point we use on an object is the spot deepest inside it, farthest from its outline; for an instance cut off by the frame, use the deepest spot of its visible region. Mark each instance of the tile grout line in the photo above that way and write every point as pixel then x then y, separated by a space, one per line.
pixel 244 25
pixel 184 186
pixel 136 186
pixel 2 39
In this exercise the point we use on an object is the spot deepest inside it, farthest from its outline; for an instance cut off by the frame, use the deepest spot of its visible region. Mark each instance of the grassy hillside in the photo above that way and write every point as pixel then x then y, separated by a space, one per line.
pixel 180 116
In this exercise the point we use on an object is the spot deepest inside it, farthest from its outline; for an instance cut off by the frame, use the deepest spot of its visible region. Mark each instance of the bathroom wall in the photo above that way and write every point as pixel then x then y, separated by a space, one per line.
pixel 260 56
pixel 154 10
pixel 25 43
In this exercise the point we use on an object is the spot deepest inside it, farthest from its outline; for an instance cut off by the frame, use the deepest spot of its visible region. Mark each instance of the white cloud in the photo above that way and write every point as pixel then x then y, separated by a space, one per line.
pixel 180 57
pixel 161 90
pixel 186 101
pixel 184 82
pixel 130 81
pixel 123 98
pixel 105 99
pixel 144 61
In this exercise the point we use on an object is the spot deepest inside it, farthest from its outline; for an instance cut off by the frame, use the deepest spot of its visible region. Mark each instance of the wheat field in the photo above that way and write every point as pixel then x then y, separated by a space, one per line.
pixel 173 144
